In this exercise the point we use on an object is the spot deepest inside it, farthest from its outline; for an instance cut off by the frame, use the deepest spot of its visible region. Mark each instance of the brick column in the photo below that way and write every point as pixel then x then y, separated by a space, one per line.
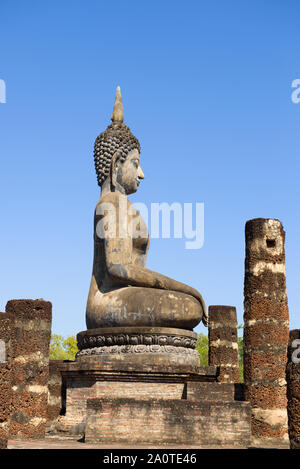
pixel 293 388
pixel 223 344
pixel 266 330
pixel 31 321
pixel 5 377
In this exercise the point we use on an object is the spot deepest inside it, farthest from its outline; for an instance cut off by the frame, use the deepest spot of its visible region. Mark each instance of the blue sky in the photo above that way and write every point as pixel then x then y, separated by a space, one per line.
pixel 206 88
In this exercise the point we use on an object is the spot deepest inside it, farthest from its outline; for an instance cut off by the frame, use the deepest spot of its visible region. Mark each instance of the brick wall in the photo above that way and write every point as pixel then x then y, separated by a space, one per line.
pixel 168 422
pixel 79 390
pixel 146 390
pixel 214 391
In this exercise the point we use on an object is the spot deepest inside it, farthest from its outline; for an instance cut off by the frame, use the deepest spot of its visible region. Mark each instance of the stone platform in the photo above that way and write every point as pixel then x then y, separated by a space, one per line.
pixel 116 399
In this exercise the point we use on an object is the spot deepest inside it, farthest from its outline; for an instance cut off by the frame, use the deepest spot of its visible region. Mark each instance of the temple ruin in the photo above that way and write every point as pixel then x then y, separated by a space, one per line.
pixel 137 378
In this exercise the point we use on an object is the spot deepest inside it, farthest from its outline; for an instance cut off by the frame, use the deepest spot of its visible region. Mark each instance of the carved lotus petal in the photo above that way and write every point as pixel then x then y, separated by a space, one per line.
pixel 121 339
pixel 134 340
pixel 148 339
pixel 100 340
pixel 109 340
pixel 163 340
pixel 177 341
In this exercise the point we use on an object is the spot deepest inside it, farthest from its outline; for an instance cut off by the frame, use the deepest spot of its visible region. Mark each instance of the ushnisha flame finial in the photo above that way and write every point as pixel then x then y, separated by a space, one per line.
pixel 118 113
pixel 116 138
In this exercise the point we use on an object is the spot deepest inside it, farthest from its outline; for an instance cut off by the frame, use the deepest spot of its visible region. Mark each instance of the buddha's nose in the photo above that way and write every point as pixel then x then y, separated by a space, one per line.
pixel 141 174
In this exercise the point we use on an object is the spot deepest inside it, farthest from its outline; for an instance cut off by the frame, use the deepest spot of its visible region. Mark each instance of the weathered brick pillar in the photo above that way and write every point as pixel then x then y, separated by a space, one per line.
pixel 5 377
pixel 223 343
pixel 31 321
pixel 266 330
pixel 56 391
pixel 293 388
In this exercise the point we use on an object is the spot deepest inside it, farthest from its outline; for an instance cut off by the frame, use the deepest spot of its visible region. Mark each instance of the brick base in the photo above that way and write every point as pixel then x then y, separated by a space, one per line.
pixel 89 380
pixel 153 406
pixel 165 421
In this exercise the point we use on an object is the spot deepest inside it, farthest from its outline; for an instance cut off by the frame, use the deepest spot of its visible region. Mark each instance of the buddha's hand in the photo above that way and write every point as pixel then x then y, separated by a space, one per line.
pixel 205 318
pixel 198 297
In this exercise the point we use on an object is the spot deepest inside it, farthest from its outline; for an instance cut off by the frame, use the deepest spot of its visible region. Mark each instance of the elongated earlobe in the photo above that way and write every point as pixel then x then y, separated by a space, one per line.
pixel 114 166
pixel 113 172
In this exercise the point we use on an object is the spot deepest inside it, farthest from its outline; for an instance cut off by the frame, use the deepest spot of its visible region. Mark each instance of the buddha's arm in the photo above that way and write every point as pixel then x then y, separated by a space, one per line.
pixel 122 271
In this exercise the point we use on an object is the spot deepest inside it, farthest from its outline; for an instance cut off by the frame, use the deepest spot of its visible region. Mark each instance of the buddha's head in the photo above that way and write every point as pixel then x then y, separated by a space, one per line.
pixel 117 153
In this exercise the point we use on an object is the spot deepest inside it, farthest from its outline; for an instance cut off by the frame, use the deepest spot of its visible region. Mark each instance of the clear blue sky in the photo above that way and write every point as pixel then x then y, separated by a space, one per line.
pixel 206 88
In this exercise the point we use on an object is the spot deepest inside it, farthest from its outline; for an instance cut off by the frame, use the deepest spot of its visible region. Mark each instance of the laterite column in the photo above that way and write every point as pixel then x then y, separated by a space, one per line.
pixel 266 330
pixel 293 388
pixel 5 378
pixel 223 342
pixel 31 322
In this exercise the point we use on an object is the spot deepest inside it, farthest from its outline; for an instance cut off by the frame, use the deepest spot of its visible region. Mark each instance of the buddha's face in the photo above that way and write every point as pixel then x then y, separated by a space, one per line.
pixel 129 172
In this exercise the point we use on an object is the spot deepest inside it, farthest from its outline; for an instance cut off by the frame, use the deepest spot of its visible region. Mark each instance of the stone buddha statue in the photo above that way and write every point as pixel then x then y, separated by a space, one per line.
pixel 129 304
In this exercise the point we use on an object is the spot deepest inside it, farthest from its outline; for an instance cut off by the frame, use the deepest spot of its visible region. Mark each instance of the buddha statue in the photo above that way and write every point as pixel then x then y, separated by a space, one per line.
pixel 128 303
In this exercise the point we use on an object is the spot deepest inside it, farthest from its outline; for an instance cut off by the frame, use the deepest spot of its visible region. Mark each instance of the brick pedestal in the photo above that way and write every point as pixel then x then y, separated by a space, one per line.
pixel 201 410
pixel 223 344
pixel 5 378
pixel 293 388
pixel 266 330
pixel 90 378
pixel 31 322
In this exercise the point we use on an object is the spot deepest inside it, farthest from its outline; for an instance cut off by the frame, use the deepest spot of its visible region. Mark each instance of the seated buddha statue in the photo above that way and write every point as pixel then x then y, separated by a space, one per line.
pixel 123 292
